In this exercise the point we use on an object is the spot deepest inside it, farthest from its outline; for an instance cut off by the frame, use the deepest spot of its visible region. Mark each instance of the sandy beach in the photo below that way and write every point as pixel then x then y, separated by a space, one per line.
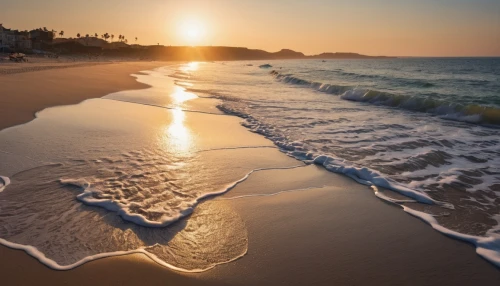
pixel 60 83
pixel 305 226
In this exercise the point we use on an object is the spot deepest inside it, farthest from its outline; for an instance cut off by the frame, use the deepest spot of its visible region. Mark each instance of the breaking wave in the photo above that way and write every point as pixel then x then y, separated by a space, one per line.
pixel 471 113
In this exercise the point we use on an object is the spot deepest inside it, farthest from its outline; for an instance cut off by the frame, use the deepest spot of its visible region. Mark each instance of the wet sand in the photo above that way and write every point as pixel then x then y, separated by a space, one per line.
pixel 305 226
pixel 30 87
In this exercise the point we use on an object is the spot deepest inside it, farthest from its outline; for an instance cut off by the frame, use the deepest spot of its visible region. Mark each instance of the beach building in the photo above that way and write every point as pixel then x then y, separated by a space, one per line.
pixel 40 38
pixel 7 37
pixel 22 40
pixel 14 39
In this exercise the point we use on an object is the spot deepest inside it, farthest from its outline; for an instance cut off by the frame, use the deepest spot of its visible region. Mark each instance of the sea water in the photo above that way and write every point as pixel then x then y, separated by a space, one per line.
pixel 428 128
pixel 422 132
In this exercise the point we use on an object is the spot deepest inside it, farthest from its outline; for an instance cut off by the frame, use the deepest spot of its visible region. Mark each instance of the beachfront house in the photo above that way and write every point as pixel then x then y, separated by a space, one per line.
pixel 14 39
pixel 40 38
pixel 7 39
pixel 22 40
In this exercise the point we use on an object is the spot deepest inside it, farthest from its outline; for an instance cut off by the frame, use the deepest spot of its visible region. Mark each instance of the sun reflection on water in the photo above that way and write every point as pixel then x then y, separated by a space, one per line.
pixel 192 66
pixel 179 96
pixel 177 136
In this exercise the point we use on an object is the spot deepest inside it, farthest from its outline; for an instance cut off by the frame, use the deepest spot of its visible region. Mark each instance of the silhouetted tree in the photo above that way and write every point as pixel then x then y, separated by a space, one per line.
pixel 78 35
pixel 112 37
pixel 136 39
pixel 61 33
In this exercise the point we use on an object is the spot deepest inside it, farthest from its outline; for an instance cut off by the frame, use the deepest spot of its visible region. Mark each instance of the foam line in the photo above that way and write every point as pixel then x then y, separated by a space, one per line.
pixel 486 247
pixel 4 182
pixel 34 252
pixel 86 197
pixel 369 177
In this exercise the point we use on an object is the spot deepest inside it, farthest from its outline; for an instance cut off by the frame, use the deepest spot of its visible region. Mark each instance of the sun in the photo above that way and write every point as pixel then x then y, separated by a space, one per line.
pixel 192 31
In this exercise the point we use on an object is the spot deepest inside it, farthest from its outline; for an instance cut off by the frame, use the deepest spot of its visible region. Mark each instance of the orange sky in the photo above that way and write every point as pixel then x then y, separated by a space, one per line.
pixel 373 27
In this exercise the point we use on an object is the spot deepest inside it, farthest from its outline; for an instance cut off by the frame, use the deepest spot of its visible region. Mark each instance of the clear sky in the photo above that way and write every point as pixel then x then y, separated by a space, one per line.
pixel 373 27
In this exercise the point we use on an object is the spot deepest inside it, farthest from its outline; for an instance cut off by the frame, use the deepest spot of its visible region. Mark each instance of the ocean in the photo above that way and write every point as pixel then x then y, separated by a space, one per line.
pixel 425 128
pixel 117 175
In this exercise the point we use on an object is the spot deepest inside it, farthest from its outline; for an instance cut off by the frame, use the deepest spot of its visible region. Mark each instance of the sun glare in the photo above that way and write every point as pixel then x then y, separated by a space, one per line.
pixel 192 31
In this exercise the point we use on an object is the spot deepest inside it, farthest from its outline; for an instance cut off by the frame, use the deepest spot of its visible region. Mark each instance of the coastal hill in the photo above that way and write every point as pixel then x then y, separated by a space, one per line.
pixel 211 53
pixel 189 53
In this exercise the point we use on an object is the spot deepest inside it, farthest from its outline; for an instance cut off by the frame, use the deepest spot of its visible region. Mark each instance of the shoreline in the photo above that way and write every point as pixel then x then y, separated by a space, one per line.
pixel 231 273
pixel 63 85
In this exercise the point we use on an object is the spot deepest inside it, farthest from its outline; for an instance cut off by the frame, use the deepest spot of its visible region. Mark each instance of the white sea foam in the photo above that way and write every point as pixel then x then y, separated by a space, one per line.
pixel 124 207
pixel 33 251
pixel 4 182
pixel 369 177
pixel 486 246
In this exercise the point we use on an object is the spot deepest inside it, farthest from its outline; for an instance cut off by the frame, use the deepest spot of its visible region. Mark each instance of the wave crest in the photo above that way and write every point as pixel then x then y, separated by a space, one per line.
pixel 447 110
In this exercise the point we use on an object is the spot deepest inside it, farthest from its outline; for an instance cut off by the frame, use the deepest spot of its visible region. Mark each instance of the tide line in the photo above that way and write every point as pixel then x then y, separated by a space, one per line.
pixel 166 107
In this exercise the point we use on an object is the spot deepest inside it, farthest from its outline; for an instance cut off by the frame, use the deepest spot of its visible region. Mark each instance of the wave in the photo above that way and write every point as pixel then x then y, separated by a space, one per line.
pixel 471 113
pixel 487 246
pixel 402 81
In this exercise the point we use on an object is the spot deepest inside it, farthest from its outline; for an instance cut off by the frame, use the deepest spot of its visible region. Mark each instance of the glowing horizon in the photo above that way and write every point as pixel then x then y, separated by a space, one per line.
pixel 377 27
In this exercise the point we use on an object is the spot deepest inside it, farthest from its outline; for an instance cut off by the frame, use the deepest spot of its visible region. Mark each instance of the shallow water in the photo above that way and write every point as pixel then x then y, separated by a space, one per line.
pixel 425 128
pixel 342 109
pixel 107 177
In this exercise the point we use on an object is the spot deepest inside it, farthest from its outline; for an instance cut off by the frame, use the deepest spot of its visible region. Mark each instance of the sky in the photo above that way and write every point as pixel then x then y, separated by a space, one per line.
pixel 372 27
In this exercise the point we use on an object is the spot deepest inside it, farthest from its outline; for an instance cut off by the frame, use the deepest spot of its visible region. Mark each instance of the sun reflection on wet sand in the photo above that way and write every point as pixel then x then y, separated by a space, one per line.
pixel 178 136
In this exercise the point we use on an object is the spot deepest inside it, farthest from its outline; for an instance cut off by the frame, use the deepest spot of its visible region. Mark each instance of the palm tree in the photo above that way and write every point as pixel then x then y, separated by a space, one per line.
pixel 112 37
pixel 61 33
pixel 87 35
pixel 95 35
pixel 106 36
pixel 78 35
pixel 136 39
